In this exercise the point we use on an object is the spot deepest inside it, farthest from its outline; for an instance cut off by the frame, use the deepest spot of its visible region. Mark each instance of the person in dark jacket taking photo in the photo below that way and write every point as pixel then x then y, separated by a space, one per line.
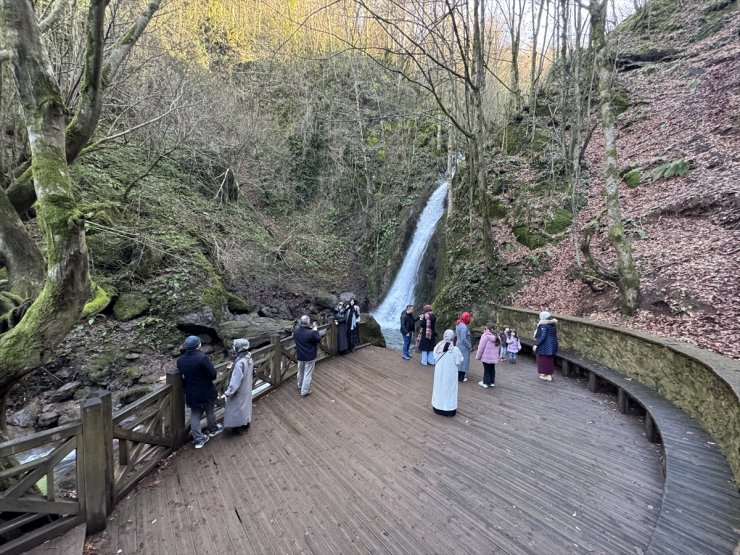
pixel 408 324
pixel 198 374
pixel 307 338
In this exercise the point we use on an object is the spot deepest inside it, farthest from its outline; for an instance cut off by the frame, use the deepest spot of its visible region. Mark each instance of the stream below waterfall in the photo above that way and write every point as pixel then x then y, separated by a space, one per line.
pixel 403 290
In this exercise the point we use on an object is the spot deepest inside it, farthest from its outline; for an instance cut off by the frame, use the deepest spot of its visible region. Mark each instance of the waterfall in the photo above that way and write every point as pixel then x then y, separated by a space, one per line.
pixel 401 292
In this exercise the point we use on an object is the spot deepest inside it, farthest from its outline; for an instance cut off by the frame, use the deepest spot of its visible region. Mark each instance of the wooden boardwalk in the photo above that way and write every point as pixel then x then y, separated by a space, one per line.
pixel 363 465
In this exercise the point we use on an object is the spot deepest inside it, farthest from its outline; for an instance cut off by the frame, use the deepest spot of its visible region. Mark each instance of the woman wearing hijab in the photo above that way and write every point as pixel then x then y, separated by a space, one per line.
pixel 353 325
pixel 546 345
pixel 462 331
pixel 427 335
pixel 238 412
pixel 444 393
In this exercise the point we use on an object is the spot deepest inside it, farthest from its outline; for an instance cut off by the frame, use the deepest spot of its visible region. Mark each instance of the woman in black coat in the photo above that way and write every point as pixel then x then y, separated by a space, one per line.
pixel 353 324
pixel 340 320
pixel 427 338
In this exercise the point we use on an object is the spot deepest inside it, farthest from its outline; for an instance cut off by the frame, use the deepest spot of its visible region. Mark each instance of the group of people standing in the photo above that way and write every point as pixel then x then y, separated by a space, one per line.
pixel 451 356
pixel 347 320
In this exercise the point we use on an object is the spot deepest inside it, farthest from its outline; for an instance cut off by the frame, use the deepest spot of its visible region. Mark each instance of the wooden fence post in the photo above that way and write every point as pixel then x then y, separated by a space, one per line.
pixel 177 409
pixel 277 359
pixel 97 427
pixel 331 338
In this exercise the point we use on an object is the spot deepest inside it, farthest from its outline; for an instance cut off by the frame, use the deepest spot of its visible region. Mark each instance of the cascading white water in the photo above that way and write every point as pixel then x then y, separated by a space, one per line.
pixel 401 292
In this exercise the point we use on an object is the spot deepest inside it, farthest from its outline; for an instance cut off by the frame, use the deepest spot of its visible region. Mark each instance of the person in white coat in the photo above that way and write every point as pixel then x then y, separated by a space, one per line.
pixel 238 412
pixel 448 359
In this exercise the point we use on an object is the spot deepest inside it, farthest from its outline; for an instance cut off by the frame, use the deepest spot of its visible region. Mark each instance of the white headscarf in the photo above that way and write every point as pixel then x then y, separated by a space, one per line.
pixel 448 336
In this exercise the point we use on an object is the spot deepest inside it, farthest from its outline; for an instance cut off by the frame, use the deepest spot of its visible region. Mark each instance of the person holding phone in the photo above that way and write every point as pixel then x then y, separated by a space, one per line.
pixel 307 338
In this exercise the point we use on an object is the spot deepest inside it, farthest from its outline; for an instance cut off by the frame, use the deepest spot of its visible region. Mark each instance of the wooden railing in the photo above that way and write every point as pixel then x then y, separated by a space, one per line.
pixel 113 452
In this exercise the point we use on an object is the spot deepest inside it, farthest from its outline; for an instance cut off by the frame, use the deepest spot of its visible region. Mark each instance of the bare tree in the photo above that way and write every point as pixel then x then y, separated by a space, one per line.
pixel 625 275
pixel 54 296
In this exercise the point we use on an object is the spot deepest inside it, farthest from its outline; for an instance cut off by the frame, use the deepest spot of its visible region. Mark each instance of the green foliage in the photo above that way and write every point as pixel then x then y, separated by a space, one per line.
pixel 560 221
pixel 632 178
pixel 529 238
pixel 676 168
pixel 620 101
pixel 100 300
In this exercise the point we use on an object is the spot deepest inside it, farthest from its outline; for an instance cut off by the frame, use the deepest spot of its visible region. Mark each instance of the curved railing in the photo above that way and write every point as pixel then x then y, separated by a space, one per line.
pixel 702 383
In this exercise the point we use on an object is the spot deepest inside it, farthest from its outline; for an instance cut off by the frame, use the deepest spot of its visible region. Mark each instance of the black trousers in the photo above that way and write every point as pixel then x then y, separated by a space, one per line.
pixel 489 373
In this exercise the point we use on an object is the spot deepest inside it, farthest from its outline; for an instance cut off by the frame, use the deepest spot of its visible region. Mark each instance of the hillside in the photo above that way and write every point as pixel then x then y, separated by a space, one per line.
pixel 682 78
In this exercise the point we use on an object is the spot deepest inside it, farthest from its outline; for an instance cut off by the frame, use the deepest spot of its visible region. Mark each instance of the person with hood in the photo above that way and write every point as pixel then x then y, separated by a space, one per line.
pixel 449 358
pixel 546 345
pixel 408 323
pixel 427 335
pixel 307 338
pixel 462 332
pixel 198 374
pixel 340 320
pixel 353 324
pixel 513 345
pixel 238 395
pixel 488 354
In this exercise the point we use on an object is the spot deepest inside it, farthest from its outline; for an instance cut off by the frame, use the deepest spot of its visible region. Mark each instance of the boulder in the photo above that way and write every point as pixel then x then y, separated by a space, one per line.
pixel 68 415
pixel 47 419
pixel 326 302
pixel 25 417
pixel 65 393
pixel 370 331
pixel 197 323
pixel 255 328
pixel 129 306
pixel 347 296
pixel 133 356
pixel 237 305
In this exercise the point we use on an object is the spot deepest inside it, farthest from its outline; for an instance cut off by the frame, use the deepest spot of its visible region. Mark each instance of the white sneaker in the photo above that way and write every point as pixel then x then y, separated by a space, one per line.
pixel 484 386
pixel 201 443
pixel 218 430
pixel 465 379
pixel 493 385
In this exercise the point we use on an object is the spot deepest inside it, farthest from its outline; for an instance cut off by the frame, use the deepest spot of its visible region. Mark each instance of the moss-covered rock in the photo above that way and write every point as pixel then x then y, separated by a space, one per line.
pixel 370 331
pixel 529 238
pixel 632 178
pixel 133 393
pixel 132 373
pixel 237 305
pixel 560 221
pixel 129 306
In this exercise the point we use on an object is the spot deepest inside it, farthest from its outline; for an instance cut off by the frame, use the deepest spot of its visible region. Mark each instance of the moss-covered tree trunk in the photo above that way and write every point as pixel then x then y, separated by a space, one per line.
pixel 627 278
pixel 57 307
pixel 21 256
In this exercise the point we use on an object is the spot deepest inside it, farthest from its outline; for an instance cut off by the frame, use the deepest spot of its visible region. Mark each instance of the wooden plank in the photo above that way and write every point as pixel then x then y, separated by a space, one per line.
pixel 59 433
pixel 140 437
pixel 39 536
pixel 144 402
pixel 71 543
pixel 40 505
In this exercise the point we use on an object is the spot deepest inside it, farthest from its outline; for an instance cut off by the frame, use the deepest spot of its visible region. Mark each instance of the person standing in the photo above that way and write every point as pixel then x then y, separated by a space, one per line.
pixel 408 323
pixel 513 345
pixel 238 411
pixel 340 320
pixel 307 338
pixel 198 374
pixel 353 325
pixel 488 353
pixel 444 392
pixel 502 336
pixel 546 345
pixel 427 335
pixel 462 332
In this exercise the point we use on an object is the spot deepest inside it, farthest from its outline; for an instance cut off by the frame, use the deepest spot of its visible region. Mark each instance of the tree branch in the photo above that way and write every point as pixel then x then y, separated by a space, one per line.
pixel 56 11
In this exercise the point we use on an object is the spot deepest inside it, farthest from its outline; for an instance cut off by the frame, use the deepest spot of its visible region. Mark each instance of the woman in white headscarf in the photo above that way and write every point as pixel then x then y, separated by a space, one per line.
pixel 238 412
pixel 448 359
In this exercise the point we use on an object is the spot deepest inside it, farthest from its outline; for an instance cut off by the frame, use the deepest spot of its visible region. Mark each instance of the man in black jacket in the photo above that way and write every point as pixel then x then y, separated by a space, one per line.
pixel 408 323
pixel 198 374
pixel 306 339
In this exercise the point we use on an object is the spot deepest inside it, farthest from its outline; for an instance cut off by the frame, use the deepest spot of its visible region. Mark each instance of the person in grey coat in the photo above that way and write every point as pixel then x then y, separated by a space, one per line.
pixel 462 332
pixel 238 412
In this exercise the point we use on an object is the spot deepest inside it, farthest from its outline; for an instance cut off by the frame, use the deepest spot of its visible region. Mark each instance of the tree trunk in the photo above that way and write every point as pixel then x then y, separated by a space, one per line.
pixel 628 280
pixel 22 258
pixel 57 308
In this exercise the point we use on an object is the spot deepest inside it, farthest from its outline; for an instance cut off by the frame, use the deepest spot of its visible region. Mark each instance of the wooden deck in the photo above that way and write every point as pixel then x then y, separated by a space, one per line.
pixel 364 465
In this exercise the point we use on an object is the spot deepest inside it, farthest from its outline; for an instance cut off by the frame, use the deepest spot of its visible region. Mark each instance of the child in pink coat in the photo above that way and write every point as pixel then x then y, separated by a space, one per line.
pixel 488 353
